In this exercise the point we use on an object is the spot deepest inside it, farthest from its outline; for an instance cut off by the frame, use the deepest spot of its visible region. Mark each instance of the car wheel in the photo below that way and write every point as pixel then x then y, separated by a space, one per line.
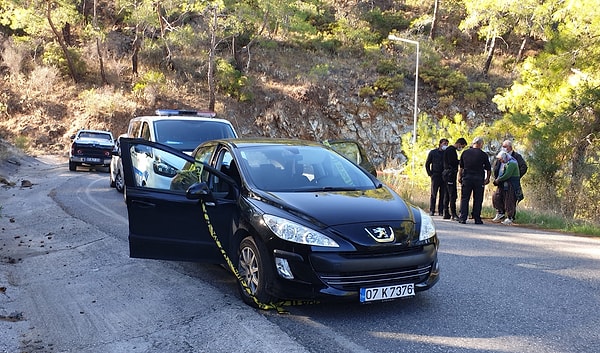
pixel 119 183
pixel 111 179
pixel 255 273
pixel 72 166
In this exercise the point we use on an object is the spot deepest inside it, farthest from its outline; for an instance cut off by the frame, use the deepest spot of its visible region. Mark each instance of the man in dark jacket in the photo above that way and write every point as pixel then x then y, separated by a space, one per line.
pixel 449 177
pixel 507 147
pixel 435 166
pixel 474 174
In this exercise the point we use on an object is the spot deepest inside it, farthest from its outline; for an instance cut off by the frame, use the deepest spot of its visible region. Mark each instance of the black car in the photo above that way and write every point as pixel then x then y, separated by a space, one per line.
pixel 92 148
pixel 296 219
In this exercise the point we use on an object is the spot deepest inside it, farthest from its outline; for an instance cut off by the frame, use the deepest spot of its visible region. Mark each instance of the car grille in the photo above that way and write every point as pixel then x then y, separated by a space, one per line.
pixel 355 281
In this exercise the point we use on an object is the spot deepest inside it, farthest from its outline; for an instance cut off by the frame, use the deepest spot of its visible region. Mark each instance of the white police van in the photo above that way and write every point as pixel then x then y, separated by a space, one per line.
pixel 182 130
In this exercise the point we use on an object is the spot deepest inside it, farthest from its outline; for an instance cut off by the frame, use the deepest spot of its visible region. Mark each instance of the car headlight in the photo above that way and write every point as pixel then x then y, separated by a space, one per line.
pixel 294 232
pixel 427 227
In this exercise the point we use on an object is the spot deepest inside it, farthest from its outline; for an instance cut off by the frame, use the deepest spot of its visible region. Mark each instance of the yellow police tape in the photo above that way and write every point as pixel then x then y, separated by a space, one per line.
pixel 264 306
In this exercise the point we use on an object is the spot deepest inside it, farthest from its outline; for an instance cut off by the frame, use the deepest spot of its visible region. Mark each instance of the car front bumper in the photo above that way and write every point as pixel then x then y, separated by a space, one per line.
pixel 340 276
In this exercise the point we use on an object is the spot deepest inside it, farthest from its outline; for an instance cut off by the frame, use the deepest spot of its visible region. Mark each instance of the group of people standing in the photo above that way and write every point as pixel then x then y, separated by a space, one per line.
pixel 473 171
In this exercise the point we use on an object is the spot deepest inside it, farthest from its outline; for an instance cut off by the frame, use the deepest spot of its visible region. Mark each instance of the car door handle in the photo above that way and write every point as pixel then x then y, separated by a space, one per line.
pixel 143 204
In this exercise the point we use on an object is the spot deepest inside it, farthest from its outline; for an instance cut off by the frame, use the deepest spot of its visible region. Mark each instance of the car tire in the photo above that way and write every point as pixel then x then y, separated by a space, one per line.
pixel 72 166
pixel 255 273
pixel 119 182
pixel 111 179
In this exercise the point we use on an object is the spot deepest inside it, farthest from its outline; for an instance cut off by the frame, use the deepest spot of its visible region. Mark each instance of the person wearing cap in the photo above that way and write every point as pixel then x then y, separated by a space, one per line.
pixel 449 176
pixel 507 147
pixel 474 173
pixel 508 190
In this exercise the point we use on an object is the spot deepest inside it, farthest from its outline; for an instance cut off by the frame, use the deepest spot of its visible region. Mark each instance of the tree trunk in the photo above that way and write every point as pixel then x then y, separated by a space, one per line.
pixel 521 50
pixel 60 40
pixel 211 62
pixel 98 47
pixel 136 49
pixel 579 169
pixel 434 20
pixel 168 55
pixel 490 56
pixel 577 172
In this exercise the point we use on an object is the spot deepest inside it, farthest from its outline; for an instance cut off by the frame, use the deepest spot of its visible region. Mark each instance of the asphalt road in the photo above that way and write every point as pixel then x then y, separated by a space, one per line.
pixel 69 286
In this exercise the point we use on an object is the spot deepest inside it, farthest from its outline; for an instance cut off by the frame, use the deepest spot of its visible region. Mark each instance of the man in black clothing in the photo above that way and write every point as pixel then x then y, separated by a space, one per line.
pixel 435 166
pixel 449 177
pixel 474 173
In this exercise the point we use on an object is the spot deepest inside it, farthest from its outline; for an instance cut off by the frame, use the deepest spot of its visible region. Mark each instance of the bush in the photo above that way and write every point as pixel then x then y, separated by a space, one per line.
pixel 54 56
pixel 389 84
pixel 232 82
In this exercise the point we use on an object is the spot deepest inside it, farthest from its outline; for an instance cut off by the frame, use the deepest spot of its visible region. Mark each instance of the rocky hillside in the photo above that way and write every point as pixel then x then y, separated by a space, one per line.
pixel 42 109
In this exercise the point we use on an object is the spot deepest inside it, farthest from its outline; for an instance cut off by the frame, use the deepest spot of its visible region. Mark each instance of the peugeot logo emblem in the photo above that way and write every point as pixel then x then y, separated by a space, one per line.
pixel 381 234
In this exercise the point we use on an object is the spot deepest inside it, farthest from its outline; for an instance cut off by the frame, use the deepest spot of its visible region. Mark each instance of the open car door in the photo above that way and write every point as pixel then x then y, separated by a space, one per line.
pixel 163 222
pixel 353 151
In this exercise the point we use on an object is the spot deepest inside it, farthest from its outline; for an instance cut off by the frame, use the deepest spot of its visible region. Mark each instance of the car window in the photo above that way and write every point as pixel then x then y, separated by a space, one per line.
pixel 95 135
pixel 220 187
pixel 145 134
pixel 134 128
pixel 155 168
pixel 298 168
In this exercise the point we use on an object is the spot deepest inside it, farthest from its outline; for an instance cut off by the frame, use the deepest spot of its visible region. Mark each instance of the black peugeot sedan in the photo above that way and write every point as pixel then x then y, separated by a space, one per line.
pixel 294 220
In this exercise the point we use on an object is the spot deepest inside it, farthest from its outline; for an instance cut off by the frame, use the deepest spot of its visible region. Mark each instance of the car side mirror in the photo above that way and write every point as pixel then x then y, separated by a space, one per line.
pixel 199 191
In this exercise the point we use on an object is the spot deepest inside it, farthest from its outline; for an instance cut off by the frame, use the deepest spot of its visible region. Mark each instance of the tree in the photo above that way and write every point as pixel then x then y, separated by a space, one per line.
pixel 493 20
pixel 556 104
pixel 53 23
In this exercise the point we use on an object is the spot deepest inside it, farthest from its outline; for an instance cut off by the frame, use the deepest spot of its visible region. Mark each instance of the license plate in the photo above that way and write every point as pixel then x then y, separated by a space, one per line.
pixel 387 292
pixel 92 160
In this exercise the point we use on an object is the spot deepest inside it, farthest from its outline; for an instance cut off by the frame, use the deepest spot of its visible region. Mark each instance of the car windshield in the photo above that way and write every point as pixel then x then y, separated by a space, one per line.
pixel 185 135
pixel 302 168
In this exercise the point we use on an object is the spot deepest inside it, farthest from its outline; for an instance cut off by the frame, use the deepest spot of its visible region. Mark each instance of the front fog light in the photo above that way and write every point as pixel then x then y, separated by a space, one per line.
pixel 283 268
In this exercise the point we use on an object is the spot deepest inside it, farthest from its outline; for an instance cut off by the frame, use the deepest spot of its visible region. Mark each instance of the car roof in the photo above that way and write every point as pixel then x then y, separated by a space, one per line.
pixel 264 141
pixel 98 131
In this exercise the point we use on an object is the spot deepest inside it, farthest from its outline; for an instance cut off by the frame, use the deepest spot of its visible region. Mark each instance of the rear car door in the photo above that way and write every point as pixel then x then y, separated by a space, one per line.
pixel 163 222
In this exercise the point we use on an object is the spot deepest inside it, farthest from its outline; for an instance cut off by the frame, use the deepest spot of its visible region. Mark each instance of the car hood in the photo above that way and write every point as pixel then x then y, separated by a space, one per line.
pixel 357 216
pixel 343 207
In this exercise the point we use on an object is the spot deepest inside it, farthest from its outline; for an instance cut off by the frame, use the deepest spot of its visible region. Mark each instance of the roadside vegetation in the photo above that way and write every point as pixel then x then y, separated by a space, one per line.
pixel 502 69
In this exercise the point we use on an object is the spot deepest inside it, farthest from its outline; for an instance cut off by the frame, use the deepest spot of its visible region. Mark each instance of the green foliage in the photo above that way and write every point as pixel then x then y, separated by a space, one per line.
pixel 389 84
pixel 381 103
pixel 54 56
pixel 384 22
pixel 319 71
pixel 150 81
pixel 444 79
pixel 429 132
pixel 354 35
pixel 366 91
pixel 555 106
pixel 232 82
pixel 21 142
pixel 387 67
